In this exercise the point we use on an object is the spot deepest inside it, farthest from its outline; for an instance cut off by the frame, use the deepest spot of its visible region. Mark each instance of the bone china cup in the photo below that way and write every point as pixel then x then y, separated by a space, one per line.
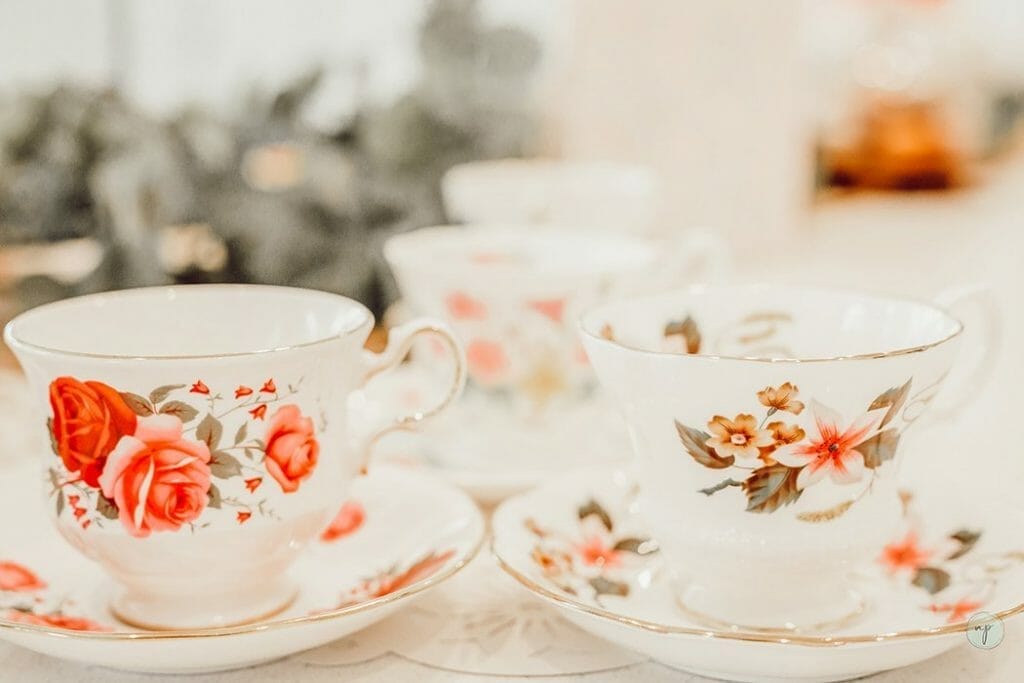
pixel 199 436
pixel 513 296
pixel 767 455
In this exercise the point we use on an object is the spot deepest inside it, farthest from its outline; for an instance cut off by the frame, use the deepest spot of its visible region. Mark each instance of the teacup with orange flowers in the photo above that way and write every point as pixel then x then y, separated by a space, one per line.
pixel 199 436
pixel 767 425
pixel 513 295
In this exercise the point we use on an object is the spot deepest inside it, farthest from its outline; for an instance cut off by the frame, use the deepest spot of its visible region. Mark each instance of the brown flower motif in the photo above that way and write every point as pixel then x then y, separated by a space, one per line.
pixel 782 398
pixel 739 437
pixel 782 434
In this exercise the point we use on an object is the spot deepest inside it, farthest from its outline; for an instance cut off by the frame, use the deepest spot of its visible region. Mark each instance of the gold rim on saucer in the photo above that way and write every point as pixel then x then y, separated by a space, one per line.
pixel 748 636
pixel 259 627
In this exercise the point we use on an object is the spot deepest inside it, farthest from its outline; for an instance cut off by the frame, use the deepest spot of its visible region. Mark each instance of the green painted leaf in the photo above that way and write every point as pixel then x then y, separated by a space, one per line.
pixel 603 586
pixel 894 398
pixel 182 410
pixel 160 393
pixel 240 434
pixel 687 329
pixel 53 438
pixel 771 487
pixel 694 441
pixel 138 404
pixel 54 478
pixel 592 507
pixel 224 465
pixel 60 502
pixel 724 484
pixel 105 506
pixel 210 430
pixel 932 579
pixel 967 538
pixel 214 499
pixel 637 546
pixel 880 448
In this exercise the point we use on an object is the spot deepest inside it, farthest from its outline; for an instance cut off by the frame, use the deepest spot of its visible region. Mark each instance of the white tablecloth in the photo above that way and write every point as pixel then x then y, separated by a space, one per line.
pixel 482 625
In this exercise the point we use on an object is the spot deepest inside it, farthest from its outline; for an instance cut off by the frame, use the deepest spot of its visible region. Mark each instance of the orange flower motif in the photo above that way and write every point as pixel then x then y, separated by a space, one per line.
pixel 596 552
pixel 348 520
pixel 86 523
pixel 15 577
pixel 553 309
pixel 253 484
pixel 73 500
pixel 833 451
pixel 243 516
pixel 199 388
pixel 58 620
pixel 79 512
pixel 463 307
pixel 486 360
pixel 242 390
pixel 739 437
pixel 782 398
pixel 782 435
pixel 259 411
pixel 957 611
pixel 904 554
pixel 269 387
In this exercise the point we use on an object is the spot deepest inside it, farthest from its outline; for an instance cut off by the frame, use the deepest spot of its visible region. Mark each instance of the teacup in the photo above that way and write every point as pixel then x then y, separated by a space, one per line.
pixel 199 436
pixel 513 296
pixel 536 192
pixel 767 449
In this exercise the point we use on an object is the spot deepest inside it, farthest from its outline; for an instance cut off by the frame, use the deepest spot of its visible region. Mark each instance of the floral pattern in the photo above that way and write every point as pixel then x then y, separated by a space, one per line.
pixel 396 578
pixel 780 459
pixel 957 579
pixel 594 562
pixel 349 520
pixel 17 580
pixel 152 463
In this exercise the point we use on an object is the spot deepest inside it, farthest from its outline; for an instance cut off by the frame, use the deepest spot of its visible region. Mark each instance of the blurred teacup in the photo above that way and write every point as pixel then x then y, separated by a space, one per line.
pixel 579 194
pixel 767 449
pixel 513 296
pixel 200 436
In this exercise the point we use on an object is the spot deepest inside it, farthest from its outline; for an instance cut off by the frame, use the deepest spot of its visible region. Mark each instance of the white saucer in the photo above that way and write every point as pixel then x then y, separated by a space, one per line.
pixel 414 533
pixel 476 446
pixel 578 543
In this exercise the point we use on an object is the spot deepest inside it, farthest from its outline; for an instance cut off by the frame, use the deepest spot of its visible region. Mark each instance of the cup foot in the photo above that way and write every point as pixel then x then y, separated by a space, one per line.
pixel 156 612
pixel 714 612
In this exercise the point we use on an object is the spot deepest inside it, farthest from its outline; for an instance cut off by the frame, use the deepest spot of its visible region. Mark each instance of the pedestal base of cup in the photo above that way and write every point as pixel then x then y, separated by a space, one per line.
pixel 160 612
pixel 738 611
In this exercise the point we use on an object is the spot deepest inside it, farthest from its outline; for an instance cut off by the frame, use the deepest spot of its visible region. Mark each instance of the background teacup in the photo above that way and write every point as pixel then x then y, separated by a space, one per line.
pixel 200 437
pixel 537 192
pixel 513 296
pixel 767 454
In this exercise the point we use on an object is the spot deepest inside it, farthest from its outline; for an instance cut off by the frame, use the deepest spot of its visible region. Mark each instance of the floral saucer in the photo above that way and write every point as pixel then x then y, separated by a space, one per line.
pixel 400 534
pixel 579 543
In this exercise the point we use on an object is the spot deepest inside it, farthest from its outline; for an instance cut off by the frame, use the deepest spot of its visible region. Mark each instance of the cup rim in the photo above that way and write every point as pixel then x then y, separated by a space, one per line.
pixel 596 338
pixel 520 231
pixel 14 342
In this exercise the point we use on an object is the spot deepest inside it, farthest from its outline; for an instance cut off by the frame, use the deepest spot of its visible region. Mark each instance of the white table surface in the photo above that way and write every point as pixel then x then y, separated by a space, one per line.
pixel 480 626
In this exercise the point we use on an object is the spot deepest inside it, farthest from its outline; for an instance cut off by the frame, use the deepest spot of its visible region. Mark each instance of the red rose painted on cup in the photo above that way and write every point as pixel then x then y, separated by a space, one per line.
pixel 88 420
pixel 15 577
pixel 292 449
pixel 158 480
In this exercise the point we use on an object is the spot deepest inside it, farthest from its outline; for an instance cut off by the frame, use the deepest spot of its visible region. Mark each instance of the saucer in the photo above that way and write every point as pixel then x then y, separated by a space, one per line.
pixel 474 446
pixel 579 543
pixel 401 534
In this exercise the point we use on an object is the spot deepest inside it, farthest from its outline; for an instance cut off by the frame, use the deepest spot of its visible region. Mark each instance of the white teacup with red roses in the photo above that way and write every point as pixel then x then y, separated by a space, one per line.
pixel 767 453
pixel 513 295
pixel 199 436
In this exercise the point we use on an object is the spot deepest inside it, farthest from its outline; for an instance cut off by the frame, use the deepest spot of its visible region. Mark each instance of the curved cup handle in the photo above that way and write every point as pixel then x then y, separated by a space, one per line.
pixel 400 340
pixel 977 308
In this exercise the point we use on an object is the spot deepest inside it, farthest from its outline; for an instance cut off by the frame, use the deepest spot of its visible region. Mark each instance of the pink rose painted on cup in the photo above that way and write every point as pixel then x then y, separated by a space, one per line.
pixel 16 577
pixel 292 449
pixel 158 480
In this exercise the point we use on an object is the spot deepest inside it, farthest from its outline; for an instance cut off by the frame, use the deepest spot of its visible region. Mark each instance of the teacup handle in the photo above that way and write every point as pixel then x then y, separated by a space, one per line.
pixel 977 307
pixel 400 341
